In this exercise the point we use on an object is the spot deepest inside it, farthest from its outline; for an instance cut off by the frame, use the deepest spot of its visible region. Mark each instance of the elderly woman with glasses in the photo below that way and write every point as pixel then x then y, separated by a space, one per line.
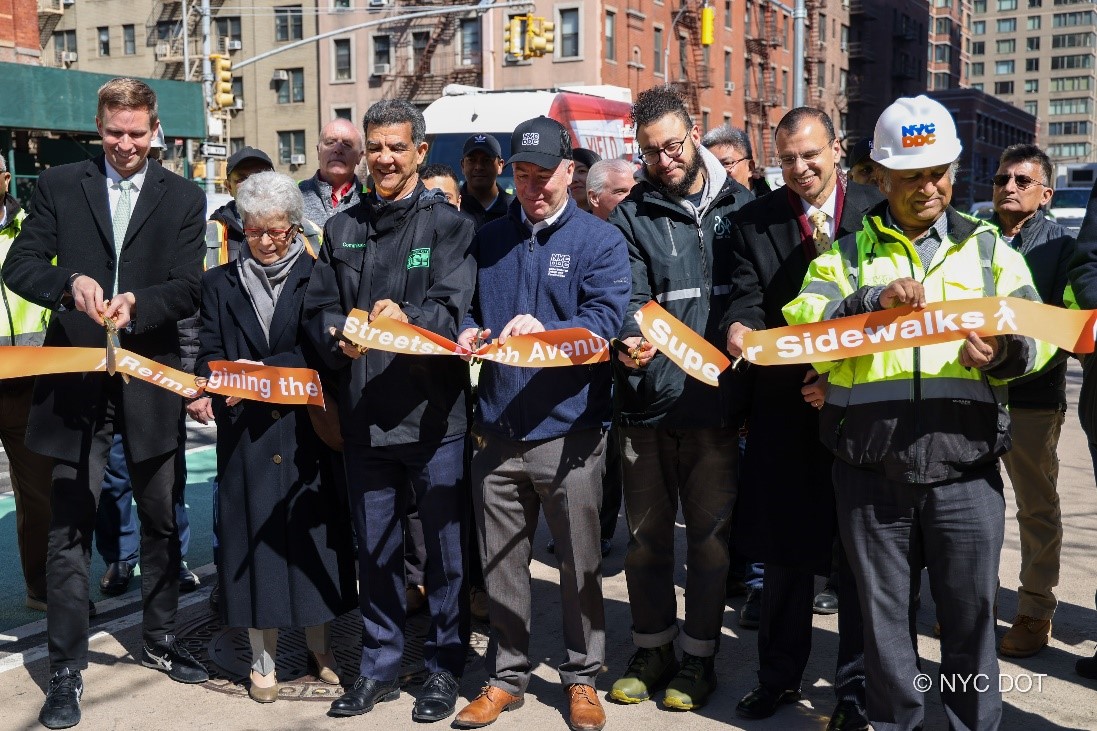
pixel 285 557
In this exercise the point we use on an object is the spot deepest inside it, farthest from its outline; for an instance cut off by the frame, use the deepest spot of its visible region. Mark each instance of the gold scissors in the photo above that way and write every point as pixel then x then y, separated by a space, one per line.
pixel 113 345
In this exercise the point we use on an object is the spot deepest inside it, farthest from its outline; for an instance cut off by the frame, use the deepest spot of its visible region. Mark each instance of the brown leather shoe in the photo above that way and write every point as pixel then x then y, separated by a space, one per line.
pixel 487 706
pixel 586 711
pixel 1026 637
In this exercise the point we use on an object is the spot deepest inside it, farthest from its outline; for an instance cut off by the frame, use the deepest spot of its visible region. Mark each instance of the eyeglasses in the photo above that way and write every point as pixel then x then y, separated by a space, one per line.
pixel 808 157
pixel 672 150
pixel 733 163
pixel 277 235
pixel 1023 182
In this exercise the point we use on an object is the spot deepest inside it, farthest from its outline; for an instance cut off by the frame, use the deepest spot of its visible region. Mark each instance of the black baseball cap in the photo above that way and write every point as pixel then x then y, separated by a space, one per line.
pixel 860 152
pixel 541 141
pixel 485 143
pixel 585 157
pixel 247 153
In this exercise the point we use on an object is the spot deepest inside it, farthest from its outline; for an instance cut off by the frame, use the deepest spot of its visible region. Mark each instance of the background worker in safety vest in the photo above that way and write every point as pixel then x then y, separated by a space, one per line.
pixel 23 323
pixel 228 230
pixel 917 432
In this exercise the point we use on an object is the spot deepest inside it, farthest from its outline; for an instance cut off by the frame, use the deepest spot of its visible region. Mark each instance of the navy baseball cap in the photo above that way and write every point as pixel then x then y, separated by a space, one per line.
pixel 484 143
pixel 247 153
pixel 541 141
pixel 860 152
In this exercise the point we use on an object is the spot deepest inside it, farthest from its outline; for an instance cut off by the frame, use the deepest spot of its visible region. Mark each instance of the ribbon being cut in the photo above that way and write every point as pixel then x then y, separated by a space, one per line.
pixel 905 327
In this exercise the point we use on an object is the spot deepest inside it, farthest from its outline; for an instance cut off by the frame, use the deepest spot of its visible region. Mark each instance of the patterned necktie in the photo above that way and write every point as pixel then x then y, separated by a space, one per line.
pixel 121 223
pixel 820 235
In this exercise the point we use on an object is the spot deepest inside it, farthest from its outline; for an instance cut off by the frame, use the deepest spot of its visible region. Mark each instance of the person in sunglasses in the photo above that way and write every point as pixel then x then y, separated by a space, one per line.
pixel 1037 403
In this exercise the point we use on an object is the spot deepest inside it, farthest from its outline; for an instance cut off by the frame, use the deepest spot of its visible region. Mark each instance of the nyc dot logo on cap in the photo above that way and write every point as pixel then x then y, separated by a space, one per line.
pixel 919 135
pixel 531 138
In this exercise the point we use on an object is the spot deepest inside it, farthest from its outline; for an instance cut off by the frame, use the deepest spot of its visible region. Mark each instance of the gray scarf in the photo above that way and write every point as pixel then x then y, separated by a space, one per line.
pixel 263 283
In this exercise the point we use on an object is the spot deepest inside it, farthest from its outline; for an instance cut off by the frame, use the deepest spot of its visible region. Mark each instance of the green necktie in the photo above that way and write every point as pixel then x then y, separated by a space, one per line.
pixel 121 223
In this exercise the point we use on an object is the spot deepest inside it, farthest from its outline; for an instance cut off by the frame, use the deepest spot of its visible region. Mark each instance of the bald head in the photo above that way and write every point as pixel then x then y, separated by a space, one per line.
pixel 340 150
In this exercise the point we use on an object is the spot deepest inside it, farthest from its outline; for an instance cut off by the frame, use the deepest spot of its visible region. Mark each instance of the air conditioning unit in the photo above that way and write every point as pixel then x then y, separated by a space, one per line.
pixel 237 104
pixel 729 86
pixel 296 159
pixel 68 56
pixel 67 3
pixel 845 44
pixel 280 75
pixel 231 44
pixel 380 69
pixel 375 4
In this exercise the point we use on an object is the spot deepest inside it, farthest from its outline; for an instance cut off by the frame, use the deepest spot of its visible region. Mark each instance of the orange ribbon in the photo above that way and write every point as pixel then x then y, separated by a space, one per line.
pixel 689 351
pixel 549 349
pixel 905 327
pixel 245 380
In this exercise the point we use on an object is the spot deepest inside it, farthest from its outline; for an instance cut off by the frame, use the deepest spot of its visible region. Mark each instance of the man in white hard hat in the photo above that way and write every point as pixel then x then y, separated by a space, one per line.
pixel 917 432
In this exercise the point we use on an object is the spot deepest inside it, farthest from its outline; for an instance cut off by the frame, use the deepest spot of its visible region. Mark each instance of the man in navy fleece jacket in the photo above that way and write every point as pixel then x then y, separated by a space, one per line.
pixel 540 434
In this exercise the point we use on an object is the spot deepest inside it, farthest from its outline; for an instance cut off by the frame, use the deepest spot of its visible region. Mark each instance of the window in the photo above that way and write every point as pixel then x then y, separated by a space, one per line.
pixel 1030 108
pixel 727 67
pixel 683 56
pixel 942 52
pixel 238 88
pixel 1033 22
pixel 1003 87
pixel 977 87
pixel 843 81
pixel 1067 20
pixel 1003 67
pixel 1072 40
pixel 345 5
pixel 1079 61
pixel 705 119
pixel 1007 5
pixel 1035 3
pixel 103 35
pixel 419 41
pixel 289 144
pixel 64 40
pixel 727 14
pixel 822 28
pixel 293 90
pixel 658 63
pixel 129 41
pixel 785 87
pixel 844 37
pixel 382 54
pixel 1072 83
pixel 978 48
pixel 168 29
pixel 1070 128
pixel 1032 86
pixel 977 69
pixel 1070 105
pixel 343 113
pixel 1073 149
pixel 470 42
pixel 1032 64
pixel 610 52
pixel 341 62
pixel 569 33
pixel 228 27
pixel 1032 44
pixel 236 144
pixel 1006 46
pixel 288 23
pixel 979 6
pixel 1007 25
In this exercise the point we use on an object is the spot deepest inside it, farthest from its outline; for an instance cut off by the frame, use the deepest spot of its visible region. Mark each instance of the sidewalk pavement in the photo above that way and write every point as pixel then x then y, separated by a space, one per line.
pixel 1042 692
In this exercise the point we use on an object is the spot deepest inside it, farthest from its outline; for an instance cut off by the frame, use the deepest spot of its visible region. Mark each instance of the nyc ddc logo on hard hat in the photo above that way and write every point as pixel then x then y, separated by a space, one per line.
pixel 919 135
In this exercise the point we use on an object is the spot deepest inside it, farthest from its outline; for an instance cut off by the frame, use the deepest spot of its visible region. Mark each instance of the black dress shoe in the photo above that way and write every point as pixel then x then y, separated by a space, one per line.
pixel 826 601
pixel 438 700
pixel 847 717
pixel 606 546
pixel 174 659
pixel 116 579
pixel 62 706
pixel 364 695
pixel 763 702
pixel 188 580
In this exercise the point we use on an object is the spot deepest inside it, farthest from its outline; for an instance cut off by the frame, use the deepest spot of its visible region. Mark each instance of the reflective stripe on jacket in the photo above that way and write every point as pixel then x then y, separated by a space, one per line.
pixel 916 414
pixel 23 323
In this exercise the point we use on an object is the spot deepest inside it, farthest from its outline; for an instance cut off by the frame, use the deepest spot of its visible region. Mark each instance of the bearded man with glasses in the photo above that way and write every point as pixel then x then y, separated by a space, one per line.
pixel 1037 403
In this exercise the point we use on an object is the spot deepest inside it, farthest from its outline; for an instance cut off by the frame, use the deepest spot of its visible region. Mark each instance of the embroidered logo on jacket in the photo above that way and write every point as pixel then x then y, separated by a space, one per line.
pixel 559 265
pixel 419 258
pixel 353 244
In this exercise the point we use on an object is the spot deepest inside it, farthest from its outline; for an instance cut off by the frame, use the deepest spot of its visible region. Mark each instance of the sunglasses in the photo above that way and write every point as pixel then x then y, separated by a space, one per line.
pixel 1023 181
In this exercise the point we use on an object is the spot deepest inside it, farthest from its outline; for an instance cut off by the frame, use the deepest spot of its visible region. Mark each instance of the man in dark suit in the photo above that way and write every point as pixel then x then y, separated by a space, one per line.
pixel 127 239
pixel 786 507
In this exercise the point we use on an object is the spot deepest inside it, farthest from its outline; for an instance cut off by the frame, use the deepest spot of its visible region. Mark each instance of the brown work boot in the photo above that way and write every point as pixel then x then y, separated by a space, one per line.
pixel 486 707
pixel 586 711
pixel 1026 637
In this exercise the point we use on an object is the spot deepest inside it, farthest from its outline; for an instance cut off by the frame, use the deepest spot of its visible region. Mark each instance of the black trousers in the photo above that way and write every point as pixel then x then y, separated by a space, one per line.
pixel 74 500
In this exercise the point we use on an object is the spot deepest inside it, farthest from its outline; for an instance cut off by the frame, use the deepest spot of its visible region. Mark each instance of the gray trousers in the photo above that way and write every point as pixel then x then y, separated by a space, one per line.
pixel 511 481
pixel 890 530
pixel 663 467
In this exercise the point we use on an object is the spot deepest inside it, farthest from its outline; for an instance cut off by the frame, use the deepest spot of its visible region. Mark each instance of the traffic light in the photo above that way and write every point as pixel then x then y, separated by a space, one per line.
pixel 223 97
pixel 541 33
pixel 512 36
pixel 708 25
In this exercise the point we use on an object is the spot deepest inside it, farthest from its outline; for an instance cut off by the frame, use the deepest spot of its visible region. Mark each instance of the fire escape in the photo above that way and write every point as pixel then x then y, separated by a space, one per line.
pixel 694 73
pixel 814 58
pixel 426 78
pixel 165 33
pixel 49 15
pixel 760 92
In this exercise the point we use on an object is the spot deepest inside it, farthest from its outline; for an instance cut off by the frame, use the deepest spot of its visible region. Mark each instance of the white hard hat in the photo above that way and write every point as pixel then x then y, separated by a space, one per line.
pixel 915 133
pixel 158 140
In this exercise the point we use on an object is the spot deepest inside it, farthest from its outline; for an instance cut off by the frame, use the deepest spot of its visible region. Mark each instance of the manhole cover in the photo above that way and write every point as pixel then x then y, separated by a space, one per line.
pixel 226 653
